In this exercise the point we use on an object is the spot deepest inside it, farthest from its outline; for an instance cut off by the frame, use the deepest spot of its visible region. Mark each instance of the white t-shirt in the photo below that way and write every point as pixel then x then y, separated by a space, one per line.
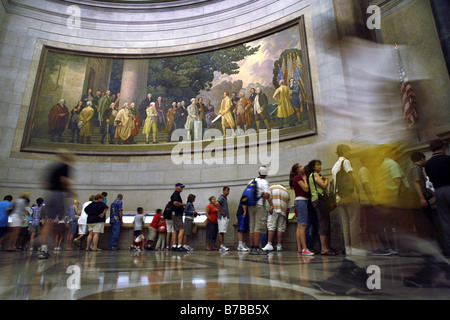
pixel 262 187
pixel 138 221
pixel 83 215
pixel 364 176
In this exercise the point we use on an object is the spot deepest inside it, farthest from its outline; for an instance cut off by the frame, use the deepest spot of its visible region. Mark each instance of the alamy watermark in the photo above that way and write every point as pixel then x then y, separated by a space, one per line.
pixel 263 148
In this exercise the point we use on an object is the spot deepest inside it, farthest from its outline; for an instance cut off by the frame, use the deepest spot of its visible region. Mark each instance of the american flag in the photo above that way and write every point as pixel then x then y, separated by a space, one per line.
pixel 409 100
pixel 280 75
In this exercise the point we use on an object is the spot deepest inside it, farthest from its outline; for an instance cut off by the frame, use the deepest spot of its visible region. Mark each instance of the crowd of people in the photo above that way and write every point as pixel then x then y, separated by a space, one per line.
pixel 122 122
pixel 396 206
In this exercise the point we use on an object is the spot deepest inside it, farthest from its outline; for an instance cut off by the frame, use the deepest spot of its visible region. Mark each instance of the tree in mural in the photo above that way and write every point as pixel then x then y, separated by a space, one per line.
pixel 182 78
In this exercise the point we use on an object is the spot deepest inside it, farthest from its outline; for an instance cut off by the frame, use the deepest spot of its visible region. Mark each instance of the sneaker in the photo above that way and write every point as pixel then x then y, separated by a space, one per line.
pixel 279 247
pixel 242 248
pixel 182 249
pixel 392 251
pixel 380 252
pixel 306 252
pixel 259 251
pixel 223 248
pixel 268 247
pixel 43 255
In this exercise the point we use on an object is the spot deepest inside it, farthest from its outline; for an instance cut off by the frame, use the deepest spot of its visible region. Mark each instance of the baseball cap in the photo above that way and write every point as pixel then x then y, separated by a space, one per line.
pixel 263 171
pixel 179 185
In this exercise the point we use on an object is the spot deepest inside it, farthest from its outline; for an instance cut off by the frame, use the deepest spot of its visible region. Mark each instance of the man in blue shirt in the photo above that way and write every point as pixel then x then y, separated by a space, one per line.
pixel 115 219
pixel 7 201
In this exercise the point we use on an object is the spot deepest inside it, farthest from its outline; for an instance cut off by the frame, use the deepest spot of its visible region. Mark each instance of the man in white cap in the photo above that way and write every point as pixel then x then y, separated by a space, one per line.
pixel 258 212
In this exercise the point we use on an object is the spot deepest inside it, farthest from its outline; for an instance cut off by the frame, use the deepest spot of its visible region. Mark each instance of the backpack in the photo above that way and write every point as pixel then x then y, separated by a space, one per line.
pixel 168 211
pixel 344 184
pixel 250 195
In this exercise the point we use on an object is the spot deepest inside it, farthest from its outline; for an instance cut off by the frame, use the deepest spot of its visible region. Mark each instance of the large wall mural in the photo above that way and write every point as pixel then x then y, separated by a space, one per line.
pixel 96 104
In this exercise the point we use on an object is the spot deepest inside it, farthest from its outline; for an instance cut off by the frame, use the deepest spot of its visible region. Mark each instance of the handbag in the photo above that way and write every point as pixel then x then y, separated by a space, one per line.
pixel 326 201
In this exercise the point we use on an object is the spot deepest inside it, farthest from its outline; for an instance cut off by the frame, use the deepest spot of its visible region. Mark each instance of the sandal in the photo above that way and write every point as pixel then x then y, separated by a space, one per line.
pixel 328 253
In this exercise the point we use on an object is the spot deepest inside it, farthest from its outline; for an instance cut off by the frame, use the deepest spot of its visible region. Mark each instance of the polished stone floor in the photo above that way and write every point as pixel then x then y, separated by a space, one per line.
pixel 203 275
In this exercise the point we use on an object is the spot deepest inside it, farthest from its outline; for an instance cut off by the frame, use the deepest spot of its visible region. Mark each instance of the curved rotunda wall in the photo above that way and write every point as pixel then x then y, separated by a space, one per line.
pixel 156 28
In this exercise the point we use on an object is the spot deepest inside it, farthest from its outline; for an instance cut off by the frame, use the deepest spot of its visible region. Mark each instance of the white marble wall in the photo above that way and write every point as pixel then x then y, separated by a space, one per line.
pixel 148 181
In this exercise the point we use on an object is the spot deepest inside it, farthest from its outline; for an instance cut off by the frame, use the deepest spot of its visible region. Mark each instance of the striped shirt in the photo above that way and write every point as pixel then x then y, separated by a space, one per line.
pixel 280 199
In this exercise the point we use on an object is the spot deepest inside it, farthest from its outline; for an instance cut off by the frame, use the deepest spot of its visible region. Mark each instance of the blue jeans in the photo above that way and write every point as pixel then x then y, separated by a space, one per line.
pixel 115 232
pixel 307 216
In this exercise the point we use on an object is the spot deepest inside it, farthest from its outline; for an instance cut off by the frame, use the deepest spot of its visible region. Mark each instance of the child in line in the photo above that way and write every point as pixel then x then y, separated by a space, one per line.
pixel 153 228
pixel 138 238
pixel 162 230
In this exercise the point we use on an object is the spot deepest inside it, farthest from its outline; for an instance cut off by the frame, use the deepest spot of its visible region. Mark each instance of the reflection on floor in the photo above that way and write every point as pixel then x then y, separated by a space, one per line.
pixel 202 275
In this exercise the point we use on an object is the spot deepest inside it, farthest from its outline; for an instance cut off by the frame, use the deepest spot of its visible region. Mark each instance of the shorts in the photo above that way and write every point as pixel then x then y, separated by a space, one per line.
pixel 17 220
pixel 152 233
pixel 34 229
pixel 302 210
pixel 276 222
pixel 243 224
pixel 223 224
pixel 137 233
pixel 96 227
pixel 169 226
pixel 188 224
pixel 73 227
pixel 82 229
pixel 177 223
pixel 257 218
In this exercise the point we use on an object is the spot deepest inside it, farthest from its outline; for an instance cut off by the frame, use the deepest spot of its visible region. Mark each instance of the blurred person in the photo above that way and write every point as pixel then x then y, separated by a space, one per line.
pixel 74 215
pixel 422 211
pixel 19 217
pixel 375 222
pixel 223 217
pixel 347 203
pixel 58 185
pixel 298 180
pixel 258 212
pixel 277 220
pixel 318 184
pixel 393 192
pixel 189 215
pixel 212 228
pixel 82 222
pixel 438 170
pixel 116 221
pixel 6 203
pixel 35 226
pixel 96 212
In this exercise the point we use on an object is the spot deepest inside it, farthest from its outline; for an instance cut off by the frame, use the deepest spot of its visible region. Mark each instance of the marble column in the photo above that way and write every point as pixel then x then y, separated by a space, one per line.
pixel 441 13
pixel 134 81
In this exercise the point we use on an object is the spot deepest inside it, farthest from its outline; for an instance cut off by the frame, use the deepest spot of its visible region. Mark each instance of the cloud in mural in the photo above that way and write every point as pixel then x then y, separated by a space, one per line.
pixel 259 66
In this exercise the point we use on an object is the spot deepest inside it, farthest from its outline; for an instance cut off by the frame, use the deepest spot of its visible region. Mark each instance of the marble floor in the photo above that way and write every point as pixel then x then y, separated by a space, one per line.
pixel 203 275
